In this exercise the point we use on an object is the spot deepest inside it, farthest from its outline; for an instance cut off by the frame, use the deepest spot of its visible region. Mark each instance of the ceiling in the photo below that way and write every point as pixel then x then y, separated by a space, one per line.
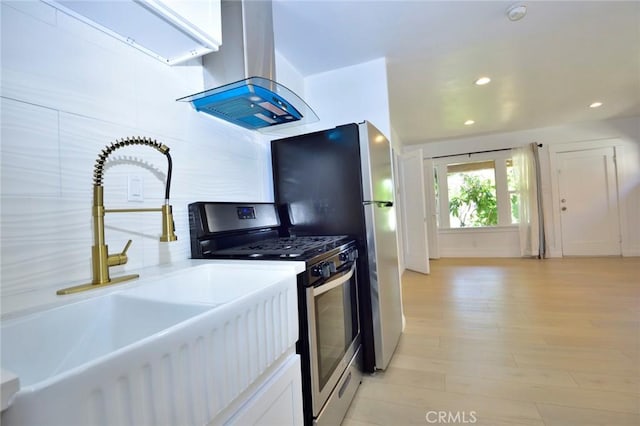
pixel 545 69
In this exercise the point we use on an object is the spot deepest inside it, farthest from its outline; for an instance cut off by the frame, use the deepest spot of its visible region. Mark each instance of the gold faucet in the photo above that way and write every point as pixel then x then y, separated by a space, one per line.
pixel 101 260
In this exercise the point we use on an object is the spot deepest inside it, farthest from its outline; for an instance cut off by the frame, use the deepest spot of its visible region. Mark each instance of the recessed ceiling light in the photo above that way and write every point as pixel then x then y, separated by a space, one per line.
pixel 516 12
pixel 595 105
pixel 482 81
pixel 469 122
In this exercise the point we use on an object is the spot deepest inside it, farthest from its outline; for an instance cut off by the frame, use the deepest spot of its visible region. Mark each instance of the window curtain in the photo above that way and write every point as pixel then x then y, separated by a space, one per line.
pixel 527 167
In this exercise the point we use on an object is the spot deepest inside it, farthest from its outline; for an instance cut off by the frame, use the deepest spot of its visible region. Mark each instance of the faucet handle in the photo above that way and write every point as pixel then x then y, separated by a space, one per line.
pixel 126 247
pixel 120 258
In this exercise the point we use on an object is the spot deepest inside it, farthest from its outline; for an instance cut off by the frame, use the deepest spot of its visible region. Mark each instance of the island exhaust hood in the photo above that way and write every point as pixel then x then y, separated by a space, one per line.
pixel 242 74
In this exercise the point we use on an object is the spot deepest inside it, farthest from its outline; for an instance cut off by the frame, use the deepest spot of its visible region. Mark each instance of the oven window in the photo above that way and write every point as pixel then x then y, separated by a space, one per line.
pixel 336 326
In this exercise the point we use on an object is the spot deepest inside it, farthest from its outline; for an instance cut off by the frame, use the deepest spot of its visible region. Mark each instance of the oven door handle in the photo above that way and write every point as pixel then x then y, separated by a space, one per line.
pixel 334 283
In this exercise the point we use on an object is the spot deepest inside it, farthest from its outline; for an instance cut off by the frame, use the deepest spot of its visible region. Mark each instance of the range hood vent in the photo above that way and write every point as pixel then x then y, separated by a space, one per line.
pixel 255 103
pixel 242 74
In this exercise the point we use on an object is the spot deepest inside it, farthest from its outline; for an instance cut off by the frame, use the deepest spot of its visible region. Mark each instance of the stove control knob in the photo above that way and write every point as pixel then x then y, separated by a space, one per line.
pixel 349 255
pixel 316 271
pixel 327 269
pixel 323 270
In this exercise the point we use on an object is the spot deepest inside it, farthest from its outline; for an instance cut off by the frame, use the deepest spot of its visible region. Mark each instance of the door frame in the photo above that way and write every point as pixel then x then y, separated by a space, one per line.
pixel 554 151
pixel 430 197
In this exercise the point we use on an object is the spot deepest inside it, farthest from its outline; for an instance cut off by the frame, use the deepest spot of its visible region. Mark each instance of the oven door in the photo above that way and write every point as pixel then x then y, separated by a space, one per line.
pixel 334 331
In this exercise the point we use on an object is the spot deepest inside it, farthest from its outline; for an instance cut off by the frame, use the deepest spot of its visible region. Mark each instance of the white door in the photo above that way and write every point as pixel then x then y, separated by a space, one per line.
pixel 589 203
pixel 414 215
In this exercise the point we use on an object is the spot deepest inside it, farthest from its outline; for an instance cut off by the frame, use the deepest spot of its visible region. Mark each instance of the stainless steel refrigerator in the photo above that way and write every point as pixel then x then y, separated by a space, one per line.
pixel 340 181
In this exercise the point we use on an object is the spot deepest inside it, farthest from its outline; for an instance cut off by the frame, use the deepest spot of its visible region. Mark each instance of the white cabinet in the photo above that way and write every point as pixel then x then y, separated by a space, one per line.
pixel 200 17
pixel 172 31
pixel 277 402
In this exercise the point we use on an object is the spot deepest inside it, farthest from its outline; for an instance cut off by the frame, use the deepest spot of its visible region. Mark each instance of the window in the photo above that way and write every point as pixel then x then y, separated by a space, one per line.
pixel 476 192
pixel 472 194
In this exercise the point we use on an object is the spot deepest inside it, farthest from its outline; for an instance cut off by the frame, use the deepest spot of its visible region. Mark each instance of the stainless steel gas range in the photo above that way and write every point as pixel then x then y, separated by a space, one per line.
pixel 329 343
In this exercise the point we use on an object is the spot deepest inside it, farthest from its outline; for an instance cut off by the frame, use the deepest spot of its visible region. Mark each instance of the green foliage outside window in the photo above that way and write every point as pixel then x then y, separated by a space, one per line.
pixel 472 194
pixel 515 208
pixel 475 204
pixel 513 183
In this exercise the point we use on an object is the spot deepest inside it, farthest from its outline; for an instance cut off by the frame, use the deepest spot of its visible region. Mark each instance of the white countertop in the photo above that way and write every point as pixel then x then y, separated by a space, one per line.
pixel 33 301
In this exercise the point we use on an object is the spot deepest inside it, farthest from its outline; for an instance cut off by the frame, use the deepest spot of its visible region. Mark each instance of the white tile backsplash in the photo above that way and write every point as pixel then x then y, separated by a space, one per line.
pixel 81 140
pixel 161 89
pixel 46 65
pixel 30 151
pixel 68 90
pixel 35 9
pixel 44 240
pixel 45 219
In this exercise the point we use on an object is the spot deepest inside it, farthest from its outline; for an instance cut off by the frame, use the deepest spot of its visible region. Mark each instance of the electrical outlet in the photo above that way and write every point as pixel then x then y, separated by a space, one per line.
pixel 135 188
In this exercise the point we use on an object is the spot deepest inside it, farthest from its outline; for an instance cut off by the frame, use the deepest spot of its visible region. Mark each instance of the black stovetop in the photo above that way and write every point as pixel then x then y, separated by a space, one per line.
pixel 221 230
pixel 291 248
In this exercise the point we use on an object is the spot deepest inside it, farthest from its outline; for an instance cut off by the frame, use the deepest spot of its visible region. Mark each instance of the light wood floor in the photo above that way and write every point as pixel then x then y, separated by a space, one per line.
pixel 513 342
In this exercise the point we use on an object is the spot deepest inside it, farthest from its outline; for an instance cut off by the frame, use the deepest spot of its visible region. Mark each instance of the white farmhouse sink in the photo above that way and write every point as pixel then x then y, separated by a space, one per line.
pixel 46 344
pixel 172 349
pixel 212 284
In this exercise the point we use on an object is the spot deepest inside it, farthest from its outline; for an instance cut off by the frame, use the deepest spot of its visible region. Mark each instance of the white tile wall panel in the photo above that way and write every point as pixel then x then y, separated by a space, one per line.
pixel 81 141
pixel 47 242
pixel 223 176
pixel 46 246
pixel 45 219
pixel 43 268
pixel 29 151
pixel 70 90
pixel 45 65
pixel 44 241
pixel 36 9
pixel 158 92
pixel 151 169
pixel 226 137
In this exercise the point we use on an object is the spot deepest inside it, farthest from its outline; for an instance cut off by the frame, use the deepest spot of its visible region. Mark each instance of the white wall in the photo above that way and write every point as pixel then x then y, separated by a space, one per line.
pixel 501 241
pixel 351 95
pixel 67 91
pixel 344 95
pixel 626 130
pixel 289 76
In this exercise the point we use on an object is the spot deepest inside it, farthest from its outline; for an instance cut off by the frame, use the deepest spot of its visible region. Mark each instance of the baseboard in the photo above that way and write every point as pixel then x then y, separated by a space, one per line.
pixel 484 252
pixel 626 252
pixel 554 253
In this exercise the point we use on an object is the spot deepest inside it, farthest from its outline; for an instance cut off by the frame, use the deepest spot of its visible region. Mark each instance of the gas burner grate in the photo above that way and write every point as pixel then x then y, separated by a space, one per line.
pixel 286 247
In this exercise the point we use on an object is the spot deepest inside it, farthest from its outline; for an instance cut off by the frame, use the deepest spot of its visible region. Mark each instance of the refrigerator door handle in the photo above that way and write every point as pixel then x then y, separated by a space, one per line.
pixel 378 203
